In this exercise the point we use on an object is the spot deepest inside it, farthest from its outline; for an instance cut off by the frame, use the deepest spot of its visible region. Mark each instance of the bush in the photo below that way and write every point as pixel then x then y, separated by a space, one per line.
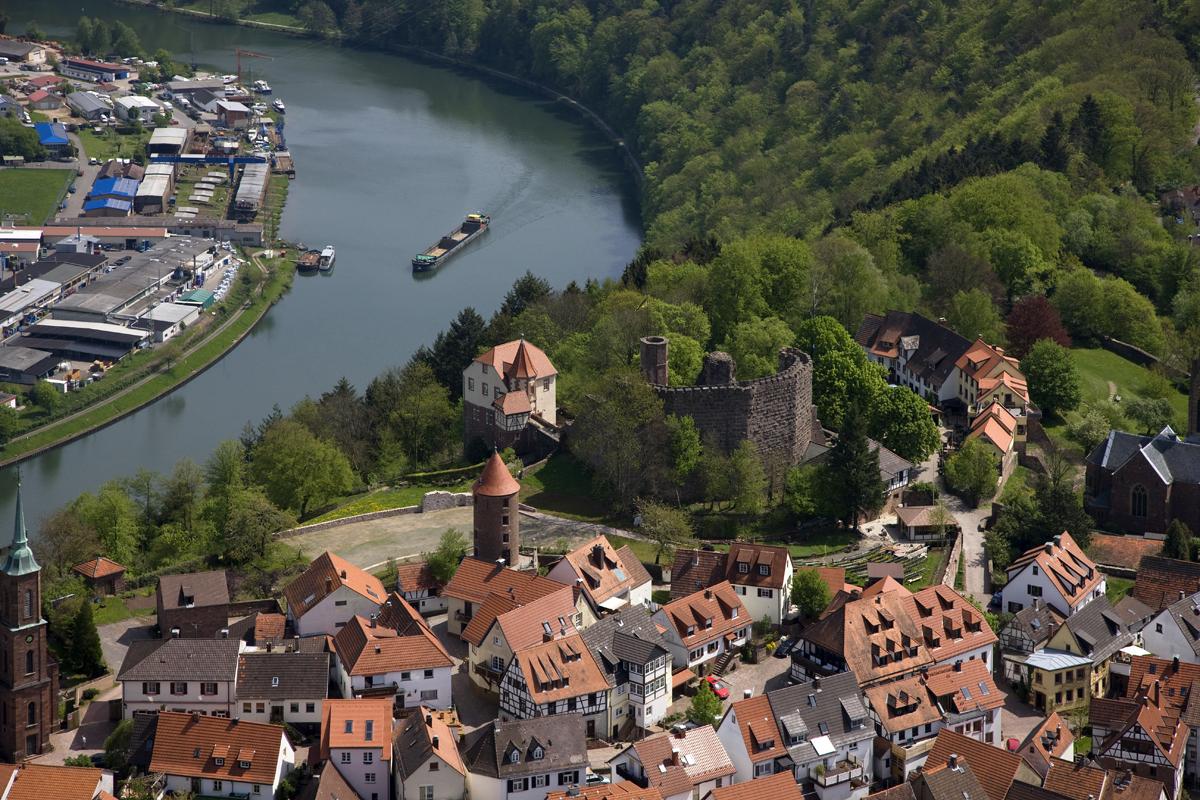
pixel 90 694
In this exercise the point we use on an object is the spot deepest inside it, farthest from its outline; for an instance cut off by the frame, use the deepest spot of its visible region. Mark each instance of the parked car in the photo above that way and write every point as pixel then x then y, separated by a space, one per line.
pixel 719 689
pixel 71 188
pixel 785 647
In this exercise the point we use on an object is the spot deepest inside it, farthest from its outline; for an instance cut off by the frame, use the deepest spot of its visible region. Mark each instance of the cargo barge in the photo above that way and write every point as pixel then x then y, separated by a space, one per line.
pixel 474 225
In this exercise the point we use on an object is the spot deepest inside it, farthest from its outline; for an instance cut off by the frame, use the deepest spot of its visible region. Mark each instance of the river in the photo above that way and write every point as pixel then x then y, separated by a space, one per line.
pixel 390 154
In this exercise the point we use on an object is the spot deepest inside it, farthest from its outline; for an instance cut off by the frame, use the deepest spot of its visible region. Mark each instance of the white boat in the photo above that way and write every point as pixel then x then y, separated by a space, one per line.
pixel 262 87
pixel 228 78
pixel 278 106
pixel 325 262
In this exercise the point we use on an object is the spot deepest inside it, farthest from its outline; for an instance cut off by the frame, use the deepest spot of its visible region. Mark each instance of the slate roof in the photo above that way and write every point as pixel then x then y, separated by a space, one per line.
pixel 1171 457
pixel 1065 564
pixel 206 589
pixel 995 769
pixel 188 746
pixel 561 737
pixel 1099 629
pixel 1038 623
pixel 324 576
pixel 693 570
pixel 474 580
pixel 821 709
pixel 181 660
pixel 890 464
pixel 413 744
pixel 1160 580
pixel 629 635
pixel 943 782
pixel 936 350
pixel 283 676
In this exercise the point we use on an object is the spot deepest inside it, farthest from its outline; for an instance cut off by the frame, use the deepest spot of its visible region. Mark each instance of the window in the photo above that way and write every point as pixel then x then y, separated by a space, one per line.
pixel 433 766
pixel 260 708
pixel 540 781
pixel 294 708
pixel 345 758
pixel 425 793
pixel 1035 569
pixel 743 567
pixel 274 681
pixel 484 371
pixel 567 778
pixel 368 758
pixel 152 687
pixel 764 569
pixel 369 777
pixel 28 603
pixel 1138 501
pixel 208 688
pixel 538 753
pixel 764 593
pixel 763 768
pixel 518 785
pixel 31 714
pixel 514 757
pixel 243 765
pixel 485 389
pixel 546 385
pixel 1158 627
pixel 178 687
pixel 246 707
pixel 218 786
pixel 428 673
pixel 734 615
pixel 310 708
pixel 257 788
pixel 349 726
pixel 1035 591
pixel 470 384
pixel 220 762
pixel 339 602
pixel 497 664
pixel 404 676
pixel 28 662
pixel 428 694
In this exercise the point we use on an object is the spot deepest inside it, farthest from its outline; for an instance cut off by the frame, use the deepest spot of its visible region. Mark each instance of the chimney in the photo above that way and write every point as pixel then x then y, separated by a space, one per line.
pixel 952 762
pixel 1049 547
pixel 1156 692
pixel 1037 603
pixel 343 574
pixel 435 743
pixel 1175 664
pixel 429 720
pixel 598 554
pixel 747 694
pixel 195 716
pixel 958 666
pixel 817 684
pixel 675 752
pixel 708 594
pixel 1182 594
pixel 270 646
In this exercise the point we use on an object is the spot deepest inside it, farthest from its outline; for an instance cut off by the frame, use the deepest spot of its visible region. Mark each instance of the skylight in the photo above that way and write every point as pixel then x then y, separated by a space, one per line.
pixel 966 692
pixel 983 689
pixel 823 726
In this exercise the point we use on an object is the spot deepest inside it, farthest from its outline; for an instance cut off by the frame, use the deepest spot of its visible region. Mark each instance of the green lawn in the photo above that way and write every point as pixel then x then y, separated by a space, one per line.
pixel 645 551
pixel 1097 367
pixel 817 542
pixel 928 567
pixel 1117 587
pixel 114 609
pixel 111 144
pixel 274 18
pixel 563 486
pixel 1018 482
pixel 32 191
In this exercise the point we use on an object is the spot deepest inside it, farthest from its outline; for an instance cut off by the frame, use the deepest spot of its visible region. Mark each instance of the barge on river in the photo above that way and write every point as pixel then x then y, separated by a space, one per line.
pixel 474 225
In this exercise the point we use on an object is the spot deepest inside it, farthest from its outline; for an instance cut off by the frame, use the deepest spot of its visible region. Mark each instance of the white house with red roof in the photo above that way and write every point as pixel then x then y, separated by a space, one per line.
pixel 504 389
pixel 1058 573
pixel 356 738
pixel 373 659
pixel 704 627
pixel 328 594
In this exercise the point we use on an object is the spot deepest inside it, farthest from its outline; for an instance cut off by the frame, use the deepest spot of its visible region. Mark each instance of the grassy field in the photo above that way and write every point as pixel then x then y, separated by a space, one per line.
pixel 562 486
pixel 1117 587
pixel 274 18
pixel 928 567
pixel 383 500
pixel 32 191
pixel 114 609
pixel 111 144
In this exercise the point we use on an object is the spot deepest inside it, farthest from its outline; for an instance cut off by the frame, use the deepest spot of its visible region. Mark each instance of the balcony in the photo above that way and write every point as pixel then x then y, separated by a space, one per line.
pixel 841 772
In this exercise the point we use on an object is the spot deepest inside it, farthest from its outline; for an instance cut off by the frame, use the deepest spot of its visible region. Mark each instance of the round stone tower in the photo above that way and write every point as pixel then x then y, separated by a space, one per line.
pixel 497 523
pixel 654 360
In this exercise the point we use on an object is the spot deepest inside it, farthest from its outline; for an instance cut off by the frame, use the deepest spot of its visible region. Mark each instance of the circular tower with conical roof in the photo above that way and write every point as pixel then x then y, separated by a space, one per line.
pixel 497 523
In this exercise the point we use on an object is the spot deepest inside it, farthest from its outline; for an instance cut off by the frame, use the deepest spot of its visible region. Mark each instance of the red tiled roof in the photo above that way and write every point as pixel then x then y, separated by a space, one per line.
pixel 1160 580
pixel 337 714
pixel 99 567
pixel 780 786
pixel 416 576
pixel 269 627
pixel 525 626
pixel 374 650
pixel 1076 781
pixel 1065 564
pixel 44 781
pixel 995 769
pixel 502 358
pixel 327 573
pixel 185 745
pixel 708 756
pixel 496 480
pixel 559 669
pixel 626 790
pixel 474 580
pixel 1122 551
pixel 758 727
pixel 718 603
pixel 751 557
pixel 603 569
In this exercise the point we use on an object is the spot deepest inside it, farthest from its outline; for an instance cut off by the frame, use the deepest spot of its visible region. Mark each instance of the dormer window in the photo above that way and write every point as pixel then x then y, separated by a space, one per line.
pixel 220 762
pixel 514 757
pixel 764 569
pixel 244 764
pixel 743 567
pixel 538 753
pixel 691 630
pixel 735 612
pixel 370 734
pixel 274 681
pixel 349 726
pixel 708 623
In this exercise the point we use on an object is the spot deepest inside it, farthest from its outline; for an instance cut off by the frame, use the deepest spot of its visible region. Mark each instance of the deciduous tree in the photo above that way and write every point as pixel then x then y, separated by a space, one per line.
pixel 297 470
pixel 971 472
pixel 748 479
pixel 451 549
pixel 854 471
pixel 664 525
pixel 1178 543
pixel 809 593
pixel 1032 318
pixel 705 706
pixel 1053 379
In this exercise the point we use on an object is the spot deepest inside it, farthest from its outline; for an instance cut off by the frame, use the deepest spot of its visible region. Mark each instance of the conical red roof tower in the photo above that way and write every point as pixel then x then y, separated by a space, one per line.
pixel 496 480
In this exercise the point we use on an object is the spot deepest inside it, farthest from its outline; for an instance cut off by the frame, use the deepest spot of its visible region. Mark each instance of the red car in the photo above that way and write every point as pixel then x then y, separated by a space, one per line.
pixel 719 689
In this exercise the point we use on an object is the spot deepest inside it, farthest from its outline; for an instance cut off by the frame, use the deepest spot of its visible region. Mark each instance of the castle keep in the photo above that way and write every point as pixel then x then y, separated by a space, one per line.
pixel 775 413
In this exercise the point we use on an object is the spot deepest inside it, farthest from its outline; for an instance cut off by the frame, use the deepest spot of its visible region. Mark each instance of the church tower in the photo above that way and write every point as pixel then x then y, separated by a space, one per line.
pixel 497 519
pixel 27 676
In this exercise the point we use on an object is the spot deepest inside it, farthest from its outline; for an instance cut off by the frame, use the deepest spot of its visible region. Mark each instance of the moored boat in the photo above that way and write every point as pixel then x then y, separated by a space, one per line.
pixel 325 261
pixel 279 106
pixel 262 87
pixel 308 260
pixel 474 225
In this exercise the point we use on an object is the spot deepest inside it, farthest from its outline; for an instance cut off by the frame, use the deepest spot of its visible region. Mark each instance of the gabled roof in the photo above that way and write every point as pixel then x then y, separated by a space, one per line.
pixel 604 570
pixel 331 785
pixel 1050 739
pixel 1065 565
pixel 925 697
pixel 1160 580
pixel 1099 630
pixel 181 660
pixel 365 723
pixel 759 728
pixel 415 742
pixel 626 790
pixel 474 580
pixel 830 707
pixel 324 576
pixel 283 676
pixel 416 576
pixel 629 635
pixel 366 647
pixel 503 357
pixel 981 360
pixel 718 604
pixel 98 567
pixel 945 782
pixel 1155 715
pixel 1172 458
pixel 46 781
pixel 1185 614
pixel 1038 622
pixel 559 669
pixel 525 626
pixel 680 761
pixel 995 769
pixel 486 750
pixel 399 615
pixel 1121 551
pixel 189 746
pixel 996 424
pixel 932 349
pixel 693 570
pixel 750 556
pixel 1076 781
pixel 780 786
pixel 204 589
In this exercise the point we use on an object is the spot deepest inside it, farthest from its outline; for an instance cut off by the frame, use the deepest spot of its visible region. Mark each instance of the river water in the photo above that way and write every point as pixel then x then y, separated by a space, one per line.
pixel 390 154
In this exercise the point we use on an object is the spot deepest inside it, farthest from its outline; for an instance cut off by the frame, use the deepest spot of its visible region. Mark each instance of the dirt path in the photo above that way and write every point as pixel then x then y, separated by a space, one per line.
pixel 1112 391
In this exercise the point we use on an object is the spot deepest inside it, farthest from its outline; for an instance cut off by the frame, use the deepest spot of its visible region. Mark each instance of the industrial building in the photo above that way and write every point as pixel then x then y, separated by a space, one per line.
pixel 23 302
pixel 107 207
pixel 166 320
pixel 82 341
pixel 251 189
pixel 168 141
pixel 135 106
pixel 154 192
pixel 114 188
pixel 88 105
pixel 25 365
pixel 52 136
pixel 94 71
pixel 22 52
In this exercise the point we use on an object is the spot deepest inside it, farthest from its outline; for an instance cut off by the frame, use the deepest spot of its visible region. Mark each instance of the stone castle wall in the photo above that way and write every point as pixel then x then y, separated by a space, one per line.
pixel 775 412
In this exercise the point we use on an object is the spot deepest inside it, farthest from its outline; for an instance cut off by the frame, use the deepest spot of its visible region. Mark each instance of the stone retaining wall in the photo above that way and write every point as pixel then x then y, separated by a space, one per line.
pixel 432 501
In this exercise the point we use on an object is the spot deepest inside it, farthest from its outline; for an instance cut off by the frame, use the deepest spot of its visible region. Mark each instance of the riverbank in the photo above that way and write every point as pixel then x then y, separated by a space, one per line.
pixel 421 54
pixel 191 363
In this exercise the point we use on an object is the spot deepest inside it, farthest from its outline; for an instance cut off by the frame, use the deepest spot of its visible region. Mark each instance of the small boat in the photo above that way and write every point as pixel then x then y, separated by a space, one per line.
pixel 227 79
pixel 278 106
pixel 309 260
pixel 326 259
pixel 262 87
pixel 473 226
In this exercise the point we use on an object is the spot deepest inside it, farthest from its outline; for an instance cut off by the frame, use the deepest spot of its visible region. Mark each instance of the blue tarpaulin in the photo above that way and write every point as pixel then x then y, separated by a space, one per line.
pixel 51 134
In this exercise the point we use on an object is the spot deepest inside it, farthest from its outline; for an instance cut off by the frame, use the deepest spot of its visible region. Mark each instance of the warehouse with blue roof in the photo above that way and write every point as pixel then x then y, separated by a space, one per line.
pixel 115 188
pixel 107 207
pixel 52 136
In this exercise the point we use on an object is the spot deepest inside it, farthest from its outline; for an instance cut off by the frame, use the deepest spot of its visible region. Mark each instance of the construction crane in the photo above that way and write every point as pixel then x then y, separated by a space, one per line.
pixel 249 54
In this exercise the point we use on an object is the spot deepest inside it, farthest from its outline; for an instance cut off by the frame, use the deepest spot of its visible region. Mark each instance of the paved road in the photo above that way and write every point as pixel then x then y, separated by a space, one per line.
pixel 83 183
pixel 115 638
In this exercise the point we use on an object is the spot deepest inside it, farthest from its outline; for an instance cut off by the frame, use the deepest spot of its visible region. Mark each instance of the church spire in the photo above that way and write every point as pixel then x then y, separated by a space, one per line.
pixel 20 556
